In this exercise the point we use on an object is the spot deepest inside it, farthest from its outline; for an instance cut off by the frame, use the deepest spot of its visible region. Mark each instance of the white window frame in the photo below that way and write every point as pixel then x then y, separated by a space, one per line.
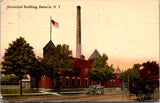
pixel 85 82
pixel 53 81
pixel 91 82
pixel 59 81
pixel 114 83
pixel 99 82
pixel 79 83
pixel 110 82
pixel 74 81
pixel 68 81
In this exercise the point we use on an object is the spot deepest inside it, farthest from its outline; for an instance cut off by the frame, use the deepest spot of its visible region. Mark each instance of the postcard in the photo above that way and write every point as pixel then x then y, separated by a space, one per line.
pixel 79 50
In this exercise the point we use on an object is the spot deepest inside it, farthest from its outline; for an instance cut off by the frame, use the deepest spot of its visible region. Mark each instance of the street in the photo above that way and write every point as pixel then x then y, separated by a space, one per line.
pixel 107 97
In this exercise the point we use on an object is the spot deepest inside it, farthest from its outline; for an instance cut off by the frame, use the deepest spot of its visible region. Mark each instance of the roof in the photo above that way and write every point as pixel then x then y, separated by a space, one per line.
pixel 49 45
pixel 94 55
pixel 117 70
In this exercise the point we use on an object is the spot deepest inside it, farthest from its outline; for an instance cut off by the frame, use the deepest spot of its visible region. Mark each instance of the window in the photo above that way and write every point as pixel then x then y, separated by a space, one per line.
pixel 33 82
pixel 67 81
pixel 110 82
pixel 39 83
pixel 73 81
pixel 99 83
pixel 52 82
pixel 79 82
pixel 60 81
pixel 133 85
pixel 102 83
pixel 86 71
pixel 86 82
pixel 44 80
pixel 113 82
pixel 91 82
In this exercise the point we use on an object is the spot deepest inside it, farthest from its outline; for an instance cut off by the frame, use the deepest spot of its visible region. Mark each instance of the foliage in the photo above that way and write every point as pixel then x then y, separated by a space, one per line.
pixel 16 91
pixel 10 91
pixel 19 58
pixel 133 73
pixel 150 70
pixel 9 80
pixel 58 62
pixel 35 71
pixel 101 71
pixel 100 62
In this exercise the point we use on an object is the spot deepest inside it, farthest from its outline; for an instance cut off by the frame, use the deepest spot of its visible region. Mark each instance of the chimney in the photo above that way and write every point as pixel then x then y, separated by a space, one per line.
pixel 78 34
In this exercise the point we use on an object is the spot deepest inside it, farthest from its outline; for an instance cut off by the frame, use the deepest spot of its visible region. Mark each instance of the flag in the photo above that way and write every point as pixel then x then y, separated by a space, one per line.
pixel 54 23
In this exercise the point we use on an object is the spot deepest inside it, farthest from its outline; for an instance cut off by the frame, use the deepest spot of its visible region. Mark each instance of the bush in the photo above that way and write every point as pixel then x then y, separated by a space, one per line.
pixel 17 91
pixel 10 91
pixel 9 80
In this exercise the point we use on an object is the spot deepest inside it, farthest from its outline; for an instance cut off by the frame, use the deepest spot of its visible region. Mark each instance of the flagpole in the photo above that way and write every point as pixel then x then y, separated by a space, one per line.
pixel 50 28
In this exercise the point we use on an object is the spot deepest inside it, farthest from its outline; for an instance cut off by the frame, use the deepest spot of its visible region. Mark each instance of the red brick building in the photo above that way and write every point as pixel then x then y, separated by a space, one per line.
pixel 80 81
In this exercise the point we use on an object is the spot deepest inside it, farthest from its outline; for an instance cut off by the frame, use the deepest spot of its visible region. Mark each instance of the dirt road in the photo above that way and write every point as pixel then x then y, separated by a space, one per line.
pixel 107 97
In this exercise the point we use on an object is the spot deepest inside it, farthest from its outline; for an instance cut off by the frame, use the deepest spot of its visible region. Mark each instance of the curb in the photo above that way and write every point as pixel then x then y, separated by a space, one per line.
pixel 43 93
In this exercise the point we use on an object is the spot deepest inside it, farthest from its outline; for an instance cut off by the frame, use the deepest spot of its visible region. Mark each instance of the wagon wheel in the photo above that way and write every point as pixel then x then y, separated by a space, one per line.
pixel 142 96
pixel 92 92
pixel 129 96
pixel 87 92
pixel 151 95
pixel 102 92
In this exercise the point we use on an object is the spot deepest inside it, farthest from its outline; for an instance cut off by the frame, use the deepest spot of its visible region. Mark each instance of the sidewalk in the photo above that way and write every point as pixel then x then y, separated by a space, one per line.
pixel 73 92
pixel 44 93
pixel 56 94
pixel 30 94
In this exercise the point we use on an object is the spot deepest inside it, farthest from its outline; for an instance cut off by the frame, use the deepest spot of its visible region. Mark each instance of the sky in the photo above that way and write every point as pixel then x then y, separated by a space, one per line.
pixel 127 31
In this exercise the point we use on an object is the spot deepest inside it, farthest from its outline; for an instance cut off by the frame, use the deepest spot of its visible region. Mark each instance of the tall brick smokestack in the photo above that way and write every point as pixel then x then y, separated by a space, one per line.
pixel 78 34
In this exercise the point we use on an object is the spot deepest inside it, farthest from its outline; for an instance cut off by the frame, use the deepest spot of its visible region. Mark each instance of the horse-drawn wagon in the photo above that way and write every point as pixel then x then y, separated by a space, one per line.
pixel 142 89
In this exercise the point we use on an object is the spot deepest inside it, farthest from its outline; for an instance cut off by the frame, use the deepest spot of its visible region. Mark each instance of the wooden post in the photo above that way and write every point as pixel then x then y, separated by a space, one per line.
pixel 20 82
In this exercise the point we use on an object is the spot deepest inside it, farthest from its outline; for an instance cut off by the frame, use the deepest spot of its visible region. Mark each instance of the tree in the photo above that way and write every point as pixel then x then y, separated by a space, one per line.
pixel 133 74
pixel 18 59
pixel 58 62
pixel 35 70
pixel 100 70
pixel 150 71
